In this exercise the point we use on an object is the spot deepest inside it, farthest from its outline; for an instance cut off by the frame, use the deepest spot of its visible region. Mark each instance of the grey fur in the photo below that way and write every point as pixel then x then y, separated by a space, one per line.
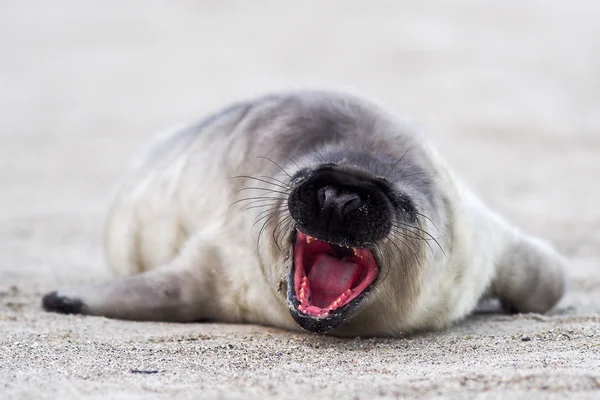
pixel 196 257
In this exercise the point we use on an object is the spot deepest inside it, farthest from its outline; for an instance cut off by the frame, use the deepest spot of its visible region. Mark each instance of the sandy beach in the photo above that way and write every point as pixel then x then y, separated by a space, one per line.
pixel 509 91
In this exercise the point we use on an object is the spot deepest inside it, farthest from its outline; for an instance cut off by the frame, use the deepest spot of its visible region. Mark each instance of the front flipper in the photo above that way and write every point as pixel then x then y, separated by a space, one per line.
pixel 530 276
pixel 60 303
pixel 158 295
pixel 181 291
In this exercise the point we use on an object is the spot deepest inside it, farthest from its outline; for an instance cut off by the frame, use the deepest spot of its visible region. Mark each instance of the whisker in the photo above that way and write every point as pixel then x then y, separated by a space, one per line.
pixel 390 265
pixel 398 162
pixel 274 233
pixel 279 166
pixel 397 259
pixel 259 203
pixel 404 262
pixel 408 176
pixel 269 218
pixel 294 162
pixel 261 200
pixel 413 252
pixel 276 180
pixel 424 232
pixel 405 232
pixel 247 208
pixel 283 226
pixel 427 218
pixel 260 180
pixel 264 225
pixel 317 152
pixel 265 189
pixel 399 234
pixel 399 223
pixel 254 198
pixel 269 213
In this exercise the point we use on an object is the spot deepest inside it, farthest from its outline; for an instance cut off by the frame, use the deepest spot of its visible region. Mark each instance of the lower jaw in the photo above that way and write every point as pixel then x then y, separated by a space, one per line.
pixel 336 322
pixel 334 319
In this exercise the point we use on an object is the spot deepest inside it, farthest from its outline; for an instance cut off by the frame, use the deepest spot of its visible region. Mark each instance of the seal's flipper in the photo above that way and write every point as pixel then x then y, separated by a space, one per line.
pixel 530 276
pixel 178 291
pixel 157 295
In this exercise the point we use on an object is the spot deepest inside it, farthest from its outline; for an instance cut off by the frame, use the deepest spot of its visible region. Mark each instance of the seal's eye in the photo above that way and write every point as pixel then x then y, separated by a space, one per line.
pixel 404 205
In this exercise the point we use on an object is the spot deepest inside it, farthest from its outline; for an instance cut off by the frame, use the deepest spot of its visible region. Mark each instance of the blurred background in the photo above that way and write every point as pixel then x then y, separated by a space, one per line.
pixel 509 90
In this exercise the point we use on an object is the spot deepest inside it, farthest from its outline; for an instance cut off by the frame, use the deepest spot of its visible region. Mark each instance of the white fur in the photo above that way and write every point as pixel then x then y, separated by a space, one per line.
pixel 173 213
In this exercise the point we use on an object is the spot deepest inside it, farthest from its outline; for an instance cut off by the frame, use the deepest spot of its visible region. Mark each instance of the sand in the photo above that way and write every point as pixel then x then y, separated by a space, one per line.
pixel 510 92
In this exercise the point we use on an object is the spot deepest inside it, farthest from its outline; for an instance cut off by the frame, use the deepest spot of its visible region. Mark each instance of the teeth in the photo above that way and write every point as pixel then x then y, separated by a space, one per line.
pixel 304 283
pixel 338 302
pixel 357 253
pixel 309 239
pixel 302 296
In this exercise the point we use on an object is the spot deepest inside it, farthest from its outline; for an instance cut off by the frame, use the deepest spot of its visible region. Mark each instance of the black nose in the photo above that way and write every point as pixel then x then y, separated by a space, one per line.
pixel 340 201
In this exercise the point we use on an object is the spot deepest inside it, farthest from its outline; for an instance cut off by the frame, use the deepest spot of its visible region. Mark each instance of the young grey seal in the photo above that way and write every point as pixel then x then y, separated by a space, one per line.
pixel 318 210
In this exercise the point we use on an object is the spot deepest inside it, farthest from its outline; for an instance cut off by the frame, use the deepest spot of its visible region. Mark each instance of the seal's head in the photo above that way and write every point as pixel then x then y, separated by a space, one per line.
pixel 355 224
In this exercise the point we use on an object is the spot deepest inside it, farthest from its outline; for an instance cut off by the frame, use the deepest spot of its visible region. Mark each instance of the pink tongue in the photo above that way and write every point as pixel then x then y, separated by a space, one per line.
pixel 329 277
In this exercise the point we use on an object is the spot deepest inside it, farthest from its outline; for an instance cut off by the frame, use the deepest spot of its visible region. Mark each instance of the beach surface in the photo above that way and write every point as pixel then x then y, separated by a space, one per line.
pixel 509 91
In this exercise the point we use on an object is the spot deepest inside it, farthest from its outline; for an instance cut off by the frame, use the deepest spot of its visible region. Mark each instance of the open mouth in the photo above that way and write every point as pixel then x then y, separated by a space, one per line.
pixel 328 279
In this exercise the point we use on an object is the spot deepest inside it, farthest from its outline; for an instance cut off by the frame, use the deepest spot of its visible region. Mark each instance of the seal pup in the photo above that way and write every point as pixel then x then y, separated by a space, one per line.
pixel 314 210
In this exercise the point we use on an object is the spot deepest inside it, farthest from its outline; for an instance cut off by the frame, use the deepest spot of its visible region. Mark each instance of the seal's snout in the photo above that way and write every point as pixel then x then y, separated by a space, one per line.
pixel 341 206
pixel 339 213
pixel 337 203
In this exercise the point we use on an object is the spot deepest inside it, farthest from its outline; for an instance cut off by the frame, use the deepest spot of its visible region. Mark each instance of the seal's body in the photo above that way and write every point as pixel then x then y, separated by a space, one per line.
pixel 314 210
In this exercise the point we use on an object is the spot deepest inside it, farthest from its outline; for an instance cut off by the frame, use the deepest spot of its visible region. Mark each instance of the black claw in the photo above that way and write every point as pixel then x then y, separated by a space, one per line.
pixel 62 304
pixel 509 307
